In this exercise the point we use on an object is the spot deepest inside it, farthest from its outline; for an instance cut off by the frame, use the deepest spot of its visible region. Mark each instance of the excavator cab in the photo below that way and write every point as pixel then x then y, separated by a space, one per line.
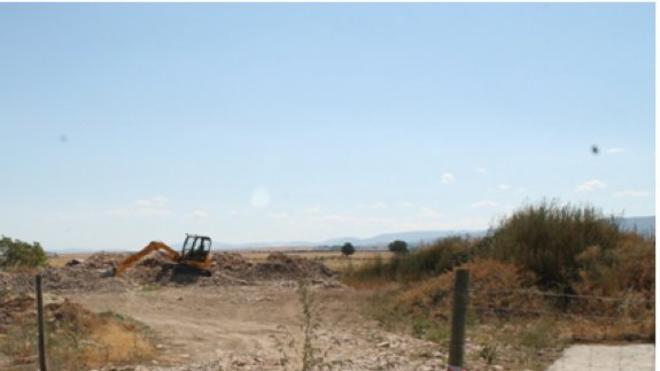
pixel 196 247
pixel 195 254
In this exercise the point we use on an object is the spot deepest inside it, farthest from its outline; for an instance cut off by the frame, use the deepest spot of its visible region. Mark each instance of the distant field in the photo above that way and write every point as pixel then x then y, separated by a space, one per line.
pixel 61 259
pixel 332 259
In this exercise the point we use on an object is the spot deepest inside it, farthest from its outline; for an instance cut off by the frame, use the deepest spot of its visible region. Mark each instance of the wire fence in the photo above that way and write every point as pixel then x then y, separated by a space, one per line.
pixel 620 320
pixel 625 324
pixel 571 296
pixel 533 302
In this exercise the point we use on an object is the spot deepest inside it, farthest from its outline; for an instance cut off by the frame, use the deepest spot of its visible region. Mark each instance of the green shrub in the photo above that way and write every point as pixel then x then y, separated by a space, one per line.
pixel 548 238
pixel 16 253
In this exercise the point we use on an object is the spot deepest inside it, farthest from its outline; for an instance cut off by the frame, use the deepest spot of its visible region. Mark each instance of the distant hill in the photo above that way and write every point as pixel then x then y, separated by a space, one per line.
pixel 644 225
pixel 376 242
pixel 412 238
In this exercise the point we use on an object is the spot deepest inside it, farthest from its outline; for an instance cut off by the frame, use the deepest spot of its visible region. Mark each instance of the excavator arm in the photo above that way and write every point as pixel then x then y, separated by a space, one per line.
pixel 153 246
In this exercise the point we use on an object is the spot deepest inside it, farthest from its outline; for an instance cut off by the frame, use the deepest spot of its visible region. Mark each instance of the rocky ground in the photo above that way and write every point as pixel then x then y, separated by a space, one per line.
pixel 94 274
pixel 259 328
pixel 245 316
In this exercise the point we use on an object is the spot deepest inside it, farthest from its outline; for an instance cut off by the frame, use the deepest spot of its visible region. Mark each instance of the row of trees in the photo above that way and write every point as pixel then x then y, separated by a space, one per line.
pixel 398 247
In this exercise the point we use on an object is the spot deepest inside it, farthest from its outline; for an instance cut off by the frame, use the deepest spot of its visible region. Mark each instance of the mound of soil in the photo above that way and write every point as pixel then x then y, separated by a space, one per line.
pixel 13 307
pixel 94 273
pixel 229 269
pixel 231 262
pixel 282 266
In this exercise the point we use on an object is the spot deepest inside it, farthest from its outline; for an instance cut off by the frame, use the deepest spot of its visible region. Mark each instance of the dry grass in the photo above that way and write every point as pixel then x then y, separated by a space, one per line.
pixel 488 279
pixel 332 259
pixel 118 342
pixel 60 260
pixel 76 338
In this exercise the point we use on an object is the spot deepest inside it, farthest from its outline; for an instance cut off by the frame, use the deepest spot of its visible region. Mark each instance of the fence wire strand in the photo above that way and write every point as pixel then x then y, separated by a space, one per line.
pixel 572 296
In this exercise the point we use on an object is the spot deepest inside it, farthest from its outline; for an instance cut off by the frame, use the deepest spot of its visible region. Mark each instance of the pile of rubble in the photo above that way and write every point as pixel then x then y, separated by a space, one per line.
pixel 15 308
pixel 95 273
pixel 282 266
pixel 12 308
pixel 230 269
pixel 77 277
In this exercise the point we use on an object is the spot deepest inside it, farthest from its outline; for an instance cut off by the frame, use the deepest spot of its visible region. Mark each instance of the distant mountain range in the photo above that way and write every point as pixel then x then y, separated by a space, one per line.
pixel 644 225
pixel 375 242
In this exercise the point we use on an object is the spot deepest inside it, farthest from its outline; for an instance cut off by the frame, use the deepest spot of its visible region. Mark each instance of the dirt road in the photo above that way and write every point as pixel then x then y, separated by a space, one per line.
pixel 259 328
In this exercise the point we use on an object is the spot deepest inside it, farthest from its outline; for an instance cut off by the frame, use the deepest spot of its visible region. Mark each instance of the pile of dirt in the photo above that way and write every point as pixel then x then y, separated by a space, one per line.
pixel 282 266
pixel 229 269
pixel 12 308
pixel 15 308
pixel 91 274
pixel 102 260
pixel 231 262
pixel 16 282
pixel 94 273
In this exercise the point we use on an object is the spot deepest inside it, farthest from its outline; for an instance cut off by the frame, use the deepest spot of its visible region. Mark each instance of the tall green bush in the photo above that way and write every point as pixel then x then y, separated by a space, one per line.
pixel 548 238
pixel 17 253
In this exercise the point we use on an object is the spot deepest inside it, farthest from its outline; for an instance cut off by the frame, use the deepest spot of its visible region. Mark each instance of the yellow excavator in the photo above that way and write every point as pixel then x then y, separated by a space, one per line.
pixel 195 254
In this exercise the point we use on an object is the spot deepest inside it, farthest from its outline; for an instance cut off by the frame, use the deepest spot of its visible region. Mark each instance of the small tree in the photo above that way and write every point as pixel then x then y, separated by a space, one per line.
pixel 348 249
pixel 16 253
pixel 398 247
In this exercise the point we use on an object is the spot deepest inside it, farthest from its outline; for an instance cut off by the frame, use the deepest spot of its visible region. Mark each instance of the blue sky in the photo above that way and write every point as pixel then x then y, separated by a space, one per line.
pixel 125 123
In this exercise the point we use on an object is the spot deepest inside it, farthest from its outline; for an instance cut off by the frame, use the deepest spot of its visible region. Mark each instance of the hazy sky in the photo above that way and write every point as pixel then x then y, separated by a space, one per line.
pixel 122 124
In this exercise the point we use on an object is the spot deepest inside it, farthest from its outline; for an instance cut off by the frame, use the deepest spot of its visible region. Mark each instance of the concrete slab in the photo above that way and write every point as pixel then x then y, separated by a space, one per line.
pixel 606 358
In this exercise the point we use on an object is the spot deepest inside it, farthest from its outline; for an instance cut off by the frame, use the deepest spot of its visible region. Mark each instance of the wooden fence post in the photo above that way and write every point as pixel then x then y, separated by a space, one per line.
pixel 458 316
pixel 40 322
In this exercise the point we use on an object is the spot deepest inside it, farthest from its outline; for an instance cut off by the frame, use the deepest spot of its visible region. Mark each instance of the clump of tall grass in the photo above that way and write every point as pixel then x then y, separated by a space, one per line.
pixel 548 238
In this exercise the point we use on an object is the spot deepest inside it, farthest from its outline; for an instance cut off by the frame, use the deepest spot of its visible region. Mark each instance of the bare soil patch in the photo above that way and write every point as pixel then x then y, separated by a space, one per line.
pixel 259 328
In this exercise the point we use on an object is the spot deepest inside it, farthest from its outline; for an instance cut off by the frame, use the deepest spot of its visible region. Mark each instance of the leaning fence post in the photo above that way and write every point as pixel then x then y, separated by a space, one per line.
pixel 40 322
pixel 458 316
